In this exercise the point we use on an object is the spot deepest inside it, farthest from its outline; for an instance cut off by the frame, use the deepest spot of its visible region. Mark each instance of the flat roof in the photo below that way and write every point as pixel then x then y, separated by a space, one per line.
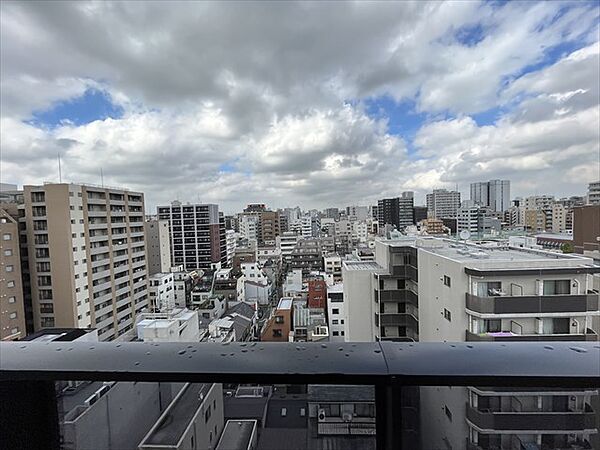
pixel 285 303
pixel 337 287
pixel 340 393
pixel 362 265
pixel 237 435
pixel 172 424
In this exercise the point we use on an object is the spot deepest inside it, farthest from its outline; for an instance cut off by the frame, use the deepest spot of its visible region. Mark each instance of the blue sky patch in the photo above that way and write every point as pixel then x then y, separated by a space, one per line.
pixel 91 106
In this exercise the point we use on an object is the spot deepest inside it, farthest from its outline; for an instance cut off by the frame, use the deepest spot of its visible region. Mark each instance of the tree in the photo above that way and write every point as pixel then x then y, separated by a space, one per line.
pixel 567 247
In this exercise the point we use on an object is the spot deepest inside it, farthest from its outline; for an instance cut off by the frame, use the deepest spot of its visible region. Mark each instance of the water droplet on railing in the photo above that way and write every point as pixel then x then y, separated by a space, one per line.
pixel 58 349
pixel 118 345
pixel 92 348
pixel 548 347
pixel 190 346
pixel 223 354
pixel 578 349
pixel 137 363
pixel 194 351
pixel 23 346
pixel 469 346
pixel 181 352
pixel 147 353
pixel 377 351
pixel 347 354
pixel 341 349
pixel 244 351
pixel 323 346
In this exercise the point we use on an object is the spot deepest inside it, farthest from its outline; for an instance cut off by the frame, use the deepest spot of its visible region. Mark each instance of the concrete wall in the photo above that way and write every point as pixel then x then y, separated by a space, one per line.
pixel 119 419
pixel 359 305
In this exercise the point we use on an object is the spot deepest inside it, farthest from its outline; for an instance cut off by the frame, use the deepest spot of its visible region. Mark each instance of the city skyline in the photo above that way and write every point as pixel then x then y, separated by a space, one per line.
pixel 232 110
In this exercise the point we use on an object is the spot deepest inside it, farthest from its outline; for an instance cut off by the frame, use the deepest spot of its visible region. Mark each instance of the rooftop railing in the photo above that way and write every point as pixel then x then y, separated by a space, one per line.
pixel 28 370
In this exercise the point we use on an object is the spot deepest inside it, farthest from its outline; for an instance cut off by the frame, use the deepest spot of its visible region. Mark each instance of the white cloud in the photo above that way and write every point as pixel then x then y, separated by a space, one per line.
pixel 274 90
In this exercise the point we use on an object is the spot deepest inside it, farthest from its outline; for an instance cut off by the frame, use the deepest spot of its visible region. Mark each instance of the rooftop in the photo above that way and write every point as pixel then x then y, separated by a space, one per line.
pixel 340 393
pixel 175 420
pixel 237 435
pixel 285 303
pixel 362 265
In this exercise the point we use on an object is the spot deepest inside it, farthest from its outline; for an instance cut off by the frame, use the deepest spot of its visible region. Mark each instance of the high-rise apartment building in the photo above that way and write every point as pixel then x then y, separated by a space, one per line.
pixel 158 246
pixel 477 220
pixel 594 193
pixel 197 235
pixel 87 257
pixel 357 212
pixel 12 307
pixel 442 203
pixel 494 194
pixel 397 211
pixel 419 213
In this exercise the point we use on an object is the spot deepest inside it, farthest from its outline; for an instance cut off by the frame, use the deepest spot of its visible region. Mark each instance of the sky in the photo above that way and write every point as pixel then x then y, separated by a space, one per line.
pixel 312 104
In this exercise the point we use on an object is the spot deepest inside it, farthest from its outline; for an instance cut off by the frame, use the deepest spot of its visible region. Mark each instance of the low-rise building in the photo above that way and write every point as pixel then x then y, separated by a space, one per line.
pixel 176 325
pixel 161 291
pixel 279 326
pixel 335 313
pixel 193 420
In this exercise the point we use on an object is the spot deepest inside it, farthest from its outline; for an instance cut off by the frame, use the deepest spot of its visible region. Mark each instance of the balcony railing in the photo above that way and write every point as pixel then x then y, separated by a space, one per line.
pixel 532 422
pixel 532 303
pixel 589 335
pixel 28 370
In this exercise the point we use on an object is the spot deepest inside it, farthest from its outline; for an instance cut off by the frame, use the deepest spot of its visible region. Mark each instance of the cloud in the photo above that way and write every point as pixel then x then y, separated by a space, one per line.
pixel 274 92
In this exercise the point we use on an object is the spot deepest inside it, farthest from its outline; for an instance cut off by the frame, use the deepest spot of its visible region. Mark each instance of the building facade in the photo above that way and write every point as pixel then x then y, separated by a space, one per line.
pixel 12 306
pixel 197 235
pixel 442 203
pixel 158 246
pixel 87 257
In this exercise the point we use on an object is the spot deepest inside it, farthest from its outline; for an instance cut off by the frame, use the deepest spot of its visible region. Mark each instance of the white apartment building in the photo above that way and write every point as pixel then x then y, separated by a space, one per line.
pixel 161 290
pixel 158 245
pixel 176 325
pixel 562 218
pixel 360 231
pixel 286 243
pixel 594 193
pixel 183 282
pixel 474 293
pixel 253 285
pixel 87 257
pixel 335 313
pixel 442 204
pixel 249 226
pixel 230 241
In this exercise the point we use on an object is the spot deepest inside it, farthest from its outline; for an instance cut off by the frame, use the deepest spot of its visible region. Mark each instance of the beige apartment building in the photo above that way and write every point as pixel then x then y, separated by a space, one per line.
pixel 87 257
pixel 12 313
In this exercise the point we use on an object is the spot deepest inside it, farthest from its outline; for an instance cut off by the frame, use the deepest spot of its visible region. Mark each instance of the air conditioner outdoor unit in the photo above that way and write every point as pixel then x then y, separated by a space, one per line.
pixel 322 415
pixel 347 417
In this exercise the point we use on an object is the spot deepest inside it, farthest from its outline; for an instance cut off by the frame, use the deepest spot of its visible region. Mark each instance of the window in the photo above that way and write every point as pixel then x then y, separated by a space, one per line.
pixel 14 330
pixel 12 299
pixel 6 237
pixel 8 252
pixel 335 311
pixel 10 268
pixel 448 413
pixel 334 321
pixel 207 414
pixel 341 333
pixel 13 315
pixel 492 325
pixel 447 315
pixel 557 287
pixel 336 333
pixel 342 321
pixel 401 284
pixel 447 281
pixel 10 283
pixel 277 333
pixel 279 319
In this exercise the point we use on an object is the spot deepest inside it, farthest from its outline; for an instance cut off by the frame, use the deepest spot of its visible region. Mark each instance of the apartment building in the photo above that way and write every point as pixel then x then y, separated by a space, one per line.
pixel 478 220
pixel 335 313
pixel 87 256
pixel 586 230
pixel 471 293
pixel 161 291
pixel 197 235
pixel 279 326
pixel 442 203
pixel 494 194
pixel 230 243
pixel 594 193
pixel 12 306
pixel 286 243
pixel 333 267
pixel 419 213
pixel 249 226
pixel 357 212
pixel 307 255
pixel 269 224
pixel 380 297
pixel 158 246
pixel 397 211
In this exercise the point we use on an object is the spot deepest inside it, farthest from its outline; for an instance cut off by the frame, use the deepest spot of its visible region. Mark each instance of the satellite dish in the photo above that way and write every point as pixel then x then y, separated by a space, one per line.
pixel 465 234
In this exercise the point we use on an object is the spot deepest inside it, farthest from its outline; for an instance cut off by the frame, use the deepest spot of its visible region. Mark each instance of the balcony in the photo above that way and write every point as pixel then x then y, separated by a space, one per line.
pixel 532 304
pixel 532 421
pixel 398 320
pixel 28 371
pixel 399 295
pixel 504 336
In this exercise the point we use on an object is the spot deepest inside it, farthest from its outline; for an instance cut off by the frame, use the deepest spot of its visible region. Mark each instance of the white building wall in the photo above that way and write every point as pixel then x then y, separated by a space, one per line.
pixel 358 305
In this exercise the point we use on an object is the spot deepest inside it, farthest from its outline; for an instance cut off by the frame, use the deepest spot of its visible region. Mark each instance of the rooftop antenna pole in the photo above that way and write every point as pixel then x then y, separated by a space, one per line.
pixel 101 177
pixel 59 169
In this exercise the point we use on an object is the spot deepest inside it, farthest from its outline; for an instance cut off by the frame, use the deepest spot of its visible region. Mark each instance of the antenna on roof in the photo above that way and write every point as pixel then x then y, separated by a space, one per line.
pixel 59 169
pixel 101 177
